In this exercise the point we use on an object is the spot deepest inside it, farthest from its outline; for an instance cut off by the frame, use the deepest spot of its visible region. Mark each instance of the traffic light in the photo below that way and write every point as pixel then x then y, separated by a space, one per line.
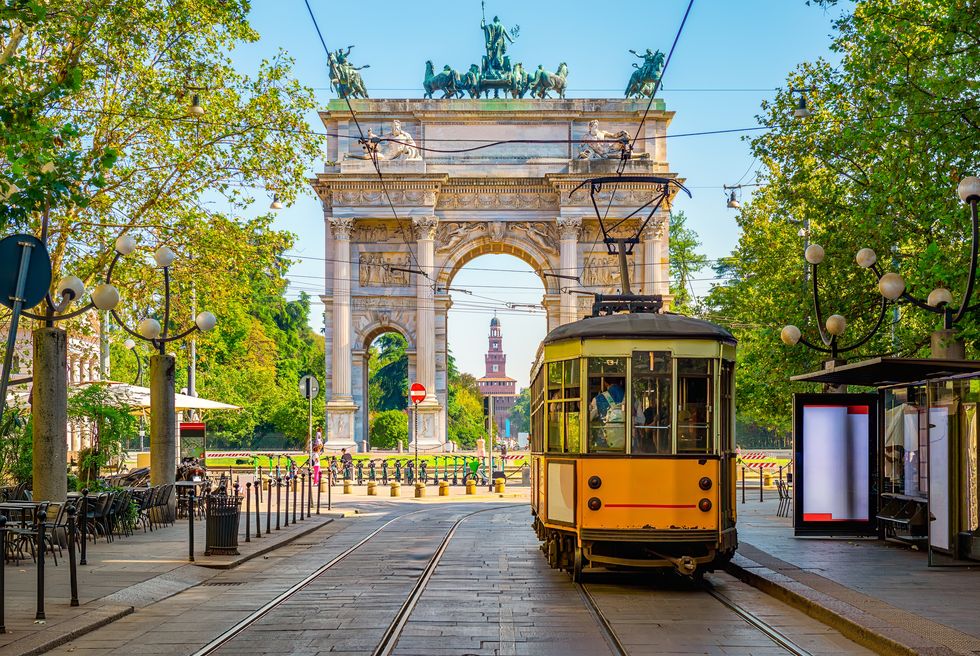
pixel 486 407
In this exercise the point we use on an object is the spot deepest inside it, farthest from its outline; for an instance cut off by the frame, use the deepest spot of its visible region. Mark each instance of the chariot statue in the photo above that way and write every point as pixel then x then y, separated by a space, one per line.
pixel 344 76
pixel 644 79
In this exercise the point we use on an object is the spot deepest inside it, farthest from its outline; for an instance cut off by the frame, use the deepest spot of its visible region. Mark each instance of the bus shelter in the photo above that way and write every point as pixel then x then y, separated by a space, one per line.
pixel 924 474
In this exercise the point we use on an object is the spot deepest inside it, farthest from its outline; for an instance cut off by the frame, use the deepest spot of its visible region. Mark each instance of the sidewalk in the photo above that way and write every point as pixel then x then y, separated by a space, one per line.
pixel 880 594
pixel 128 573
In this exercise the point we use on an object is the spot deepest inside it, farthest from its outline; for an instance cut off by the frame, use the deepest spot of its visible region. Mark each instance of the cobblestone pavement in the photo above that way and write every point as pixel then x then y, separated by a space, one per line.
pixel 492 593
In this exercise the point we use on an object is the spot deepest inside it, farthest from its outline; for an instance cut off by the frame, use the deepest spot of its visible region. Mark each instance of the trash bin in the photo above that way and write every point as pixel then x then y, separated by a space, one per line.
pixel 222 513
pixel 525 475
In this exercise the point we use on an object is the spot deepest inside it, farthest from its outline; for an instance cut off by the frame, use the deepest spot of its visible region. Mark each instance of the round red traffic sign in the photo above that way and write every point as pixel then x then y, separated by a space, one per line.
pixel 416 392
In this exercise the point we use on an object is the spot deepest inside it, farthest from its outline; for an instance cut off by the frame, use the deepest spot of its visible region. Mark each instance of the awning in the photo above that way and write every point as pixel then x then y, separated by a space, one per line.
pixel 887 372
pixel 138 397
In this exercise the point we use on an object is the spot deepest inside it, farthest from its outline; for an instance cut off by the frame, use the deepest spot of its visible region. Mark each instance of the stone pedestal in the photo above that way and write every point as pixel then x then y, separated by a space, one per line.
pixel 340 424
pixel 431 431
pixel 163 420
pixel 945 346
pixel 50 413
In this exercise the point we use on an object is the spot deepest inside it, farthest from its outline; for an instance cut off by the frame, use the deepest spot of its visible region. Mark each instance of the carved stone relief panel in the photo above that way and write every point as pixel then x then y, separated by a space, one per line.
pixel 543 234
pixel 369 232
pixel 375 270
pixel 601 270
pixel 451 234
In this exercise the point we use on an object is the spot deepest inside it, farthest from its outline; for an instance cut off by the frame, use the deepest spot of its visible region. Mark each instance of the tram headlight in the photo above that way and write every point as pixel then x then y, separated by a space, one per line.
pixel 704 505
pixel 594 503
pixel 704 483
pixel 595 482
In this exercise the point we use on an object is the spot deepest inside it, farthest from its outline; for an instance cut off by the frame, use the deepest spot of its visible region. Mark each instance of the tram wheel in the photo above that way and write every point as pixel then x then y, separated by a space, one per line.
pixel 578 562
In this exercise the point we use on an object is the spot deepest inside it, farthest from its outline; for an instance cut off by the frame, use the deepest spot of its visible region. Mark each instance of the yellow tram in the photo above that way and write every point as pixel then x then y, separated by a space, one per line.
pixel 632 439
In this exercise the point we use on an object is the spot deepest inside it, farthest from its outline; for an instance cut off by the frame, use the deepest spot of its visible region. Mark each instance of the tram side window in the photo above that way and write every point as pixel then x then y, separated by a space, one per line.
pixel 694 410
pixel 564 402
pixel 537 413
pixel 727 405
pixel 607 404
pixel 651 372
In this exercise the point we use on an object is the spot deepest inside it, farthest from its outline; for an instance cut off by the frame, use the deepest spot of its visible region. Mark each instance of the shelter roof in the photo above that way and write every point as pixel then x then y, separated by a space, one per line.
pixel 887 372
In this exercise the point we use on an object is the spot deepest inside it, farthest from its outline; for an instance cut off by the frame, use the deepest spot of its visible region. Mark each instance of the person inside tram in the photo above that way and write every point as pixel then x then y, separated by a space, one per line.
pixel 607 415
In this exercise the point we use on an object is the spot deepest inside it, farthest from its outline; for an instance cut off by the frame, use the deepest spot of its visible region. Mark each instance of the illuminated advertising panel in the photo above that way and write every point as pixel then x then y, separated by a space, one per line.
pixel 834 449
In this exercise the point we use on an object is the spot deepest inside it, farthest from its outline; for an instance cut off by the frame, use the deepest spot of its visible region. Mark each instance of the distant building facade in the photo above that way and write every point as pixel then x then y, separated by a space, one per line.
pixel 495 381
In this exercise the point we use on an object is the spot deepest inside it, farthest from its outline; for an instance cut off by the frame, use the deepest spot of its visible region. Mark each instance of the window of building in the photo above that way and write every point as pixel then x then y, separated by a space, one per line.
pixel 694 415
pixel 607 405
pixel 495 367
pixel 652 402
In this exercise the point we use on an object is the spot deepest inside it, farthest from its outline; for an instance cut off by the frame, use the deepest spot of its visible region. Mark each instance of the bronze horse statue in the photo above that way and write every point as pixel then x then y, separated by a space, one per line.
pixel 448 81
pixel 544 81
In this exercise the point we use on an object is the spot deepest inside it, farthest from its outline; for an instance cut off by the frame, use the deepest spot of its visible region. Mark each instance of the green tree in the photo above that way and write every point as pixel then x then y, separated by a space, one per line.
pixel 388 387
pixel 520 414
pixel 893 129
pixel 685 261
pixel 388 427
pixel 111 421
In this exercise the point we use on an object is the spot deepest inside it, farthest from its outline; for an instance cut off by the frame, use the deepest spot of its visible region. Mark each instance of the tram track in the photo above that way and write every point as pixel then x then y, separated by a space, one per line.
pixel 391 634
pixel 619 649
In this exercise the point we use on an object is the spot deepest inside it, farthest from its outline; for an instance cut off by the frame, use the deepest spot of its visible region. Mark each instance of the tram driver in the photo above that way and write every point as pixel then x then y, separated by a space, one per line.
pixel 607 415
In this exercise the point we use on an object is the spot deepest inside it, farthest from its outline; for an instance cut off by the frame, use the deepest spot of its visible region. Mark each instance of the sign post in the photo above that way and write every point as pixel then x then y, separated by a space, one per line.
pixel 416 394
pixel 309 387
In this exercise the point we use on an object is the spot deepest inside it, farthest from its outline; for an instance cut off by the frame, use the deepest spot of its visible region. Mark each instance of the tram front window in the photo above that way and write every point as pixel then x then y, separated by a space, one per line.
pixel 607 404
pixel 651 402
pixel 694 405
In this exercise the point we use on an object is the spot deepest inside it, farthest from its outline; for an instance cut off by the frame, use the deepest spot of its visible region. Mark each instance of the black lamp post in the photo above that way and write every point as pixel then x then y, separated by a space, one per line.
pixel 163 415
pixel 892 288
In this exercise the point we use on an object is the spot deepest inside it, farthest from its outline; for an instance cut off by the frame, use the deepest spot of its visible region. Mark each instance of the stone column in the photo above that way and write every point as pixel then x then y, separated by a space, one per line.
pixel 431 432
pixel 50 413
pixel 569 227
pixel 341 409
pixel 656 278
pixel 163 420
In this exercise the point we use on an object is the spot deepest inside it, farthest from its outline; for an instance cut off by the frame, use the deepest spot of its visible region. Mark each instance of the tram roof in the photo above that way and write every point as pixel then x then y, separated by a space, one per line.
pixel 640 326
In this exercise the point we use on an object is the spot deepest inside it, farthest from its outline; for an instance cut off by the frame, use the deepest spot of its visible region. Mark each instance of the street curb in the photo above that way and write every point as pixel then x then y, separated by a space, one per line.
pixel 231 564
pixel 833 612
pixel 77 626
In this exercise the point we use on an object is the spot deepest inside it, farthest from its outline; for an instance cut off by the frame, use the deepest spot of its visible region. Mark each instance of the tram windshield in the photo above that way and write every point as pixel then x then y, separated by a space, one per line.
pixel 651 402
pixel 607 404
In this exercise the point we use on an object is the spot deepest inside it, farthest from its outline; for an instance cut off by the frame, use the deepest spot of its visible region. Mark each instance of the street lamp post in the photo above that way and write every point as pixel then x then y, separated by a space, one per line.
pixel 892 288
pixel 49 405
pixel 163 414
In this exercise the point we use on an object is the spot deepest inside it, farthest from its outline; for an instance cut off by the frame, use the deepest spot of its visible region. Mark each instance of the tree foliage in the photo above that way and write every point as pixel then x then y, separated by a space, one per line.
pixel 685 261
pixel 388 427
pixel 111 423
pixel 520 414
pixel 893 129
pixel 97 141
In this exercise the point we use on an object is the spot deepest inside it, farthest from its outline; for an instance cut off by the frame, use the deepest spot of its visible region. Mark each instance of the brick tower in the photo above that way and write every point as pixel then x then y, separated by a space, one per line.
pixel 495 381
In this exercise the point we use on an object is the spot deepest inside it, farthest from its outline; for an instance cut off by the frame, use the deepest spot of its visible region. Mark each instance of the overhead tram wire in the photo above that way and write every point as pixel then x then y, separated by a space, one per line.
pixel 626 153
pixel 373 152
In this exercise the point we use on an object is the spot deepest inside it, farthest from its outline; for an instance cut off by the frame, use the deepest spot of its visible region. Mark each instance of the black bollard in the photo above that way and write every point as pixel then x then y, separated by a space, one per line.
pixel 190 525
pixel 309 494
pixel 435 471
pixel 278 500
pixel 268 508
pixel 743 484
pixel 285 522
pixel 302 493
pixel 42 517
pixel 72 571
pixel 294 498
pixel 248 511
pixel 3 566
pixel 83 518
pixel 319 493
pixel 258 515
pixel 760 483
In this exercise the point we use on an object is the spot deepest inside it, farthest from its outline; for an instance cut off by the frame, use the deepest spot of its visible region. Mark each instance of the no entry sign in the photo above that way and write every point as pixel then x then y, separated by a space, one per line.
pixel 416 392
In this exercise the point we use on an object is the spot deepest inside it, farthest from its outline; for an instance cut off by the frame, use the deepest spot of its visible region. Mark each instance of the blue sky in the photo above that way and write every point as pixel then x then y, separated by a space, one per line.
pixel 730 56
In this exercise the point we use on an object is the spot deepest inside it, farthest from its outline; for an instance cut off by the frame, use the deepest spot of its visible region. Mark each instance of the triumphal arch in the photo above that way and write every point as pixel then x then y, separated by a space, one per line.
pixel 389 266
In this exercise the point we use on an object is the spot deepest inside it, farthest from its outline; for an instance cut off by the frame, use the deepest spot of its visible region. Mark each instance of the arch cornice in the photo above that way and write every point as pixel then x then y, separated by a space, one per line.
pixel 449 266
